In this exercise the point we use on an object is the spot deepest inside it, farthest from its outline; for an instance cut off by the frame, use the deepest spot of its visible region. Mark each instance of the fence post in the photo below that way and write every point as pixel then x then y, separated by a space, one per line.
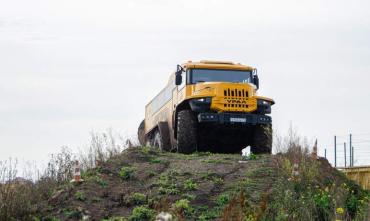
pixel 350 151
pixel 345 155
pixel 335 151
pixel 353 156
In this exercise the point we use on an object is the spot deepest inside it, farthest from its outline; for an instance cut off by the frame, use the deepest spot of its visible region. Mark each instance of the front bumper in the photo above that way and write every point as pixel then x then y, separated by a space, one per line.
pixel 234 118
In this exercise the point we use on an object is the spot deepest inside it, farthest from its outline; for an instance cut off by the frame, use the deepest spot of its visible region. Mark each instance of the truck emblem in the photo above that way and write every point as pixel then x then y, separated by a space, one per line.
pixel 234 101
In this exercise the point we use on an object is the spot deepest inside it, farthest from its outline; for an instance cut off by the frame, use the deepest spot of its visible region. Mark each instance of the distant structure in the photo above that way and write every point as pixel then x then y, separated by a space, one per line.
pixel 77 173
pixel 314 151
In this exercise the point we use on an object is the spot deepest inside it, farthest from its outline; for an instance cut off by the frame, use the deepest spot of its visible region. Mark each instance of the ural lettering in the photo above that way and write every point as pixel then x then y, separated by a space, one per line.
pixel 235 101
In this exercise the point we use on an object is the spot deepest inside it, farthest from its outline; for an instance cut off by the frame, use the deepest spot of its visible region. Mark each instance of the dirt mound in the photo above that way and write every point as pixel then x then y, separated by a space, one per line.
pixel 142 182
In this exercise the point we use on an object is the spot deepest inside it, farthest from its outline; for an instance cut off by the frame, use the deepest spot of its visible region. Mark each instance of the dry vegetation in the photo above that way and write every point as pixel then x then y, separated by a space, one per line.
pixel 22 193
pixel 138 183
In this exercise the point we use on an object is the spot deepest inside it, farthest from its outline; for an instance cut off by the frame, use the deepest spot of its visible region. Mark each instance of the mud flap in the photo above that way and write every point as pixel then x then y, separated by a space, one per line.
pixel 165 134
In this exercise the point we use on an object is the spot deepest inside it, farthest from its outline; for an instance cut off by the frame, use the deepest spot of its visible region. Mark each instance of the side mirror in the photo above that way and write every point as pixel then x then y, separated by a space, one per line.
pixel 256 81
pixel 178 79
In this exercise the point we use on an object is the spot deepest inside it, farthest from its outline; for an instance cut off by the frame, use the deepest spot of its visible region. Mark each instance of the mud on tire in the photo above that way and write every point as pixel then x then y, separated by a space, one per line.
pixel 262 139
pixel 186 132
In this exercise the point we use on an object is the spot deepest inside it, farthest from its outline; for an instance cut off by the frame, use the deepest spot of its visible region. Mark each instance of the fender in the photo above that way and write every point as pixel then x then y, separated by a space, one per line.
pixel 182 106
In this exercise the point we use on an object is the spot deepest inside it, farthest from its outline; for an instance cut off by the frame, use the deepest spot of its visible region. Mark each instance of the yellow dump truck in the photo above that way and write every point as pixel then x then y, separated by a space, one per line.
pixel 209 106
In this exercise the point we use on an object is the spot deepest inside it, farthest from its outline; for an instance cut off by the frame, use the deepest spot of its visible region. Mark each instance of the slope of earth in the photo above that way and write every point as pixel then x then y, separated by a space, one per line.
pixel 142 182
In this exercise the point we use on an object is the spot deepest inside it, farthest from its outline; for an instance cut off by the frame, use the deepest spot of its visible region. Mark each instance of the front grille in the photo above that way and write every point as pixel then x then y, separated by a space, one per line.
pixel 235 98
pixel 235 93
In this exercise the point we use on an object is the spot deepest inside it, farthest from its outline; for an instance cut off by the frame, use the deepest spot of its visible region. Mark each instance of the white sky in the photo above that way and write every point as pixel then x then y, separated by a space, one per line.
pixel 70 67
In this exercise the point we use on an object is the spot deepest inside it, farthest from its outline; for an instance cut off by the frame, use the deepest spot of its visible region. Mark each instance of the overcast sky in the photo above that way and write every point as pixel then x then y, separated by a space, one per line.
pixel 72 66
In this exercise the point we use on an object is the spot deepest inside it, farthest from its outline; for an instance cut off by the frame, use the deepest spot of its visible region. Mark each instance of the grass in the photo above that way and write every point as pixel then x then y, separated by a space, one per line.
pixel 218 181
pixel 167 185
pixel 79 195
pixel 155 160
pixel 214 161
pixel 138 198
pixel 182 206
pixel 72 213
pixel 142 213
pixel 207 214
pixel 213 177
pixel 102 183
pixel 126 173
pixel 188 196
pixel 222 200
pixel 189 184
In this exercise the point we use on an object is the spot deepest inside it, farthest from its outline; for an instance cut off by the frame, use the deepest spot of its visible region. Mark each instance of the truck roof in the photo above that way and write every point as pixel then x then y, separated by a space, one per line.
pixel 209 64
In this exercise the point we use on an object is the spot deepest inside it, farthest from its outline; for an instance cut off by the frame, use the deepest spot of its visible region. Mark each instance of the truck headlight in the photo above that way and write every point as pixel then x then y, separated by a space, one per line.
pixel 204 100
pixel 264 106
pixel 263 102
pixel 200 104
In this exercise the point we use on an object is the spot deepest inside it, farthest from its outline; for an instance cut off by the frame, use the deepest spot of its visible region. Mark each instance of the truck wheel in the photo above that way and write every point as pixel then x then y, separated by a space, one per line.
pixel 141 133
pixel 186 132
pixel 262 139
pixel 157 140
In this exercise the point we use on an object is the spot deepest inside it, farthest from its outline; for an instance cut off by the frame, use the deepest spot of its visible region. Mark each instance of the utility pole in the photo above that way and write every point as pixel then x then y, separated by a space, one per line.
pixel 325 153
pixel 335 151
pixel 345 155
pixel 353 156
pixel 350 151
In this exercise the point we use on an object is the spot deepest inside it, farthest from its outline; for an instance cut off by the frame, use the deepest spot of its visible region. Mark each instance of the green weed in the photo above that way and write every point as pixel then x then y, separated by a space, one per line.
pixel 138 198
pixel 101 181
pixel 189 197
pixel 155 160
pixel 190 185
pixel 126 173
pixel 85 174
pixel 167 185
pixel 182 205
pixel 71 213
pixel 142 213
pixel 79 195
pixel 218 181
pixel 222 200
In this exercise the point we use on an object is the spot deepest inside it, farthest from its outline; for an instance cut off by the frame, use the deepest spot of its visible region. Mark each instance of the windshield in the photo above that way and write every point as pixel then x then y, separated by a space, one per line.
pixel 208 75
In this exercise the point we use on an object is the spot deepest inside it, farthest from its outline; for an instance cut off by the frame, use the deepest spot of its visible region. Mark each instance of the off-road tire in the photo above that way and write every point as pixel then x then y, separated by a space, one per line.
pixel 262 139
pixel 141 133
pixel 186 132
pixel 157 140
